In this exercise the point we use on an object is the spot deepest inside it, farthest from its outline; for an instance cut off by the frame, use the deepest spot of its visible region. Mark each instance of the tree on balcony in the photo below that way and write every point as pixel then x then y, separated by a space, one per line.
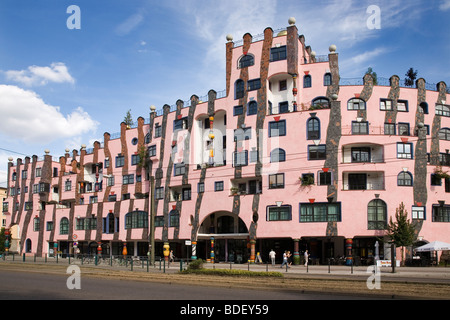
pixel 401 232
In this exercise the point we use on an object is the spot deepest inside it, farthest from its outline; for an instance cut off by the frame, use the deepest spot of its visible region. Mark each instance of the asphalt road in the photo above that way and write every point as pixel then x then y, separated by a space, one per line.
pixel 19 285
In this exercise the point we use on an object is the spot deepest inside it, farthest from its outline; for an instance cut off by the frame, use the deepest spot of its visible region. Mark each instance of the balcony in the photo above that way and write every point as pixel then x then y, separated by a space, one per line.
pixel 373 180
pixel 363 153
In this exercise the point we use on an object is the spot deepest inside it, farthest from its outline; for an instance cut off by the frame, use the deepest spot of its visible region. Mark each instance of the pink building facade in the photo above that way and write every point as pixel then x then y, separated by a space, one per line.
pixel 288 157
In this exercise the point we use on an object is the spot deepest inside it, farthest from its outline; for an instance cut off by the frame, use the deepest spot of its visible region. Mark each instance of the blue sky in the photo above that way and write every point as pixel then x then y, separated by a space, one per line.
pixel 61 87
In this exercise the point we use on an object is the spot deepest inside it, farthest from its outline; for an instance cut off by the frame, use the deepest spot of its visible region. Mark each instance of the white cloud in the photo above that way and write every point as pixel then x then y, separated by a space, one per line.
pixel 36 75
pixel 129 24
pixel 445 5
pixel 27 117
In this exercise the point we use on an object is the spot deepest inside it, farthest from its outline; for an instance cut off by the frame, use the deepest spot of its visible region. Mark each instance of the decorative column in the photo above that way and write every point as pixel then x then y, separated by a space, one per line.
pixel 348 251
pixel 7 240
pixel 194 250
pixel 296 258
pixel 211 136
pixel 99 249
pixel 252 251
pixel 166 251
pixel 124 251
pixel 212 249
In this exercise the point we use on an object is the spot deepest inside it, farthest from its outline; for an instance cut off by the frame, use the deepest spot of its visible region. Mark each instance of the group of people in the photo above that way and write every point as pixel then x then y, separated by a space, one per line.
pixel 287 261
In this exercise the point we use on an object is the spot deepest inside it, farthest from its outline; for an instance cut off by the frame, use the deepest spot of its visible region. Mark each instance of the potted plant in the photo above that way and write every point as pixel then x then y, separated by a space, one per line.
pixel 234 190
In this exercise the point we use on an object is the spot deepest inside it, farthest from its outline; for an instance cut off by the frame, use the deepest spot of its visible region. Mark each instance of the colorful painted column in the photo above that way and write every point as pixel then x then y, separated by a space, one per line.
pixel 124 251
pixel 212 249
pixel 252 251
pixel 348 252
pixel 194 250
pixel 211 136
pixel 166 251
pixel 296 252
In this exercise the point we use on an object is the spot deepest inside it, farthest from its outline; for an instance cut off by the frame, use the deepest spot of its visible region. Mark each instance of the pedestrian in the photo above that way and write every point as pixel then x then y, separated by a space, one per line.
pixel 272 256
pixel 289 255
pixel 306 255
pixel 285 259
pixel 258 258
pixel 171 256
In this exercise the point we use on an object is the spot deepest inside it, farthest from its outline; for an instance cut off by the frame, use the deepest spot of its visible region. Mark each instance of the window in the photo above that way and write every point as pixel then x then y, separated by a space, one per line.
pixel 436 180
pixel 253 156
pixel 282 85
pixel 147 138
pixel 218 186
pixel 360 154
pixel 238 110
pixel 402 105
pixel 36 224
pixel 120 161
pixel 404 179
pixel 64 226
pixel 38 172
pixel 252 108
pixel 327 79
pixel 158 131
pixel 110 181
pixel 276 181
pixel 404 150
pixel 93 199
pixel 320 103
pixel 278 53
pixel 136 219
pixel 320 212
pixel 360 127
pixel 242 134
pixel 357 181
pixel 135 159
pixel 441 213
pixel 403 129
pixel 385 104
pixel 179 169
pixel 180 124
pixel 5 206
pixel 240 158
pixel 68 185
pixel 201 187
pixel 49 225
pixel 246 61
pixel 281 213
pixel 128 179
pixel 444 159
pixel 423 108
pixel 377 215
pixel 277 128
pixel 443 110
pixel 253 84
pixel 239 88
pixel 112 197
pixel 24 174
pixel 29 205
pixel 86 224
pixel 152 151
pixel 307 82
pixel 159 193
pixel 174 218
pixel 278 155
pixel 134 141
pixel 444 134
pixel 283 107
pixel 389 129
pixel 317 152
pixel 186 194
pixel 418 213
pixel 356 104
pixel 313 128
pixel 324 178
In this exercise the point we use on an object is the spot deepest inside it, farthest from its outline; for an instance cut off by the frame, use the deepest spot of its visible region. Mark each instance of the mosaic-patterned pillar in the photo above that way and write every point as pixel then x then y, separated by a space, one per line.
pixel 212 250
pixel 194 250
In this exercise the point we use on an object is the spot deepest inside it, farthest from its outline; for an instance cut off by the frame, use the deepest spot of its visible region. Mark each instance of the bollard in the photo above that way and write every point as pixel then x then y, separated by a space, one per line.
pixel 34 257
pixel 328 265
pixel 267 267
pixel 181 265
pixel 164 265
pixel 131 263
pixel 148 262
pixel 96 259
pixel 351 265
pixel 23 259
pixel 45 258
pixel 230 265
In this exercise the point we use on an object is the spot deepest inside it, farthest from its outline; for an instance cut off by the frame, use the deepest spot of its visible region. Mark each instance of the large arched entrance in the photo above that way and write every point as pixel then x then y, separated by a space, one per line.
pixel 229 236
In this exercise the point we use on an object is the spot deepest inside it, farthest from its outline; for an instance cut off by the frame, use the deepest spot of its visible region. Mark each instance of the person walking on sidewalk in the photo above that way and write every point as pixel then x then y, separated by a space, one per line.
pixel 272 256
pixel 306 255
pixel 285 259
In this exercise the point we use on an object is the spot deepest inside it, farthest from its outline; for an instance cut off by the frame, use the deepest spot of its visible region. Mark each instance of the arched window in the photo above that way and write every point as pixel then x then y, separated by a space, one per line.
pixel 136 219
pixel 109 223
pixel 246 61
pixel 320 103
pixel 404 179
pixel 307 81
pixel 356 104
pixel 64 226
pixel 327 79
pixel 377 215
pixel 239 88
pixel 278 155
pixel 174 218
pixel 252 107
pixel 444 134
pixel 147 138
pixel 313 127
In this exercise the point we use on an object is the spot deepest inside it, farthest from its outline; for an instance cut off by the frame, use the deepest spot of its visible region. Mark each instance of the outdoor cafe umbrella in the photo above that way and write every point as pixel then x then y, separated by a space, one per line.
pixel 433 246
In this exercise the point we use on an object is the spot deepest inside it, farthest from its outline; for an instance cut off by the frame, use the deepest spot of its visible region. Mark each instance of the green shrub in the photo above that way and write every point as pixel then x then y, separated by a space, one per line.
pixel 195 265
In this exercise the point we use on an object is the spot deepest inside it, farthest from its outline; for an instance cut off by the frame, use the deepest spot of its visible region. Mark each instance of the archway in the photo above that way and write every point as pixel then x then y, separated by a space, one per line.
pixel 225 235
